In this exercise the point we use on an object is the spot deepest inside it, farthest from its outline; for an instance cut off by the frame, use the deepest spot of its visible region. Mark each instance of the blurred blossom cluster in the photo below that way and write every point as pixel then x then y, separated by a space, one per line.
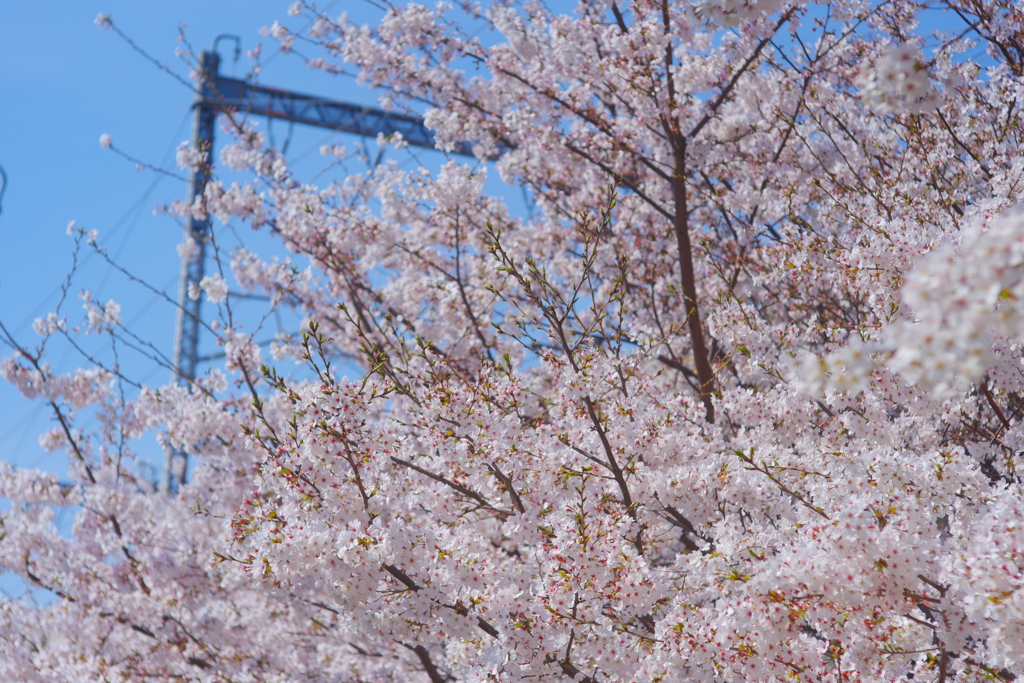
pixel 897 81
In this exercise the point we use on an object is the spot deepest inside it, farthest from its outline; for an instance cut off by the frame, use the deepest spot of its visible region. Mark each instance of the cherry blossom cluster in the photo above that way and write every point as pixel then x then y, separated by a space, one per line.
pixel 960 297
pixel 897 81
pixel 215 286
pixel 732 13
pixel 739 398
pixel 961 305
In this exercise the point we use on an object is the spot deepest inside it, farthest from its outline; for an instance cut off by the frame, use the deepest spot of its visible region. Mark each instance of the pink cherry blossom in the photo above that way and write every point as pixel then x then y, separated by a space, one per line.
pixel 738 398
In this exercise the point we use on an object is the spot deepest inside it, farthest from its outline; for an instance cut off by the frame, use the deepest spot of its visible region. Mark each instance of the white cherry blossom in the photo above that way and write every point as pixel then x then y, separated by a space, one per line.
pixel 740 398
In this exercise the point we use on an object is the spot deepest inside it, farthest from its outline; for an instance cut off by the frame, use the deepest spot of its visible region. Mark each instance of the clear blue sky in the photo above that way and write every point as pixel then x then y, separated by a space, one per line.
pixel 65 82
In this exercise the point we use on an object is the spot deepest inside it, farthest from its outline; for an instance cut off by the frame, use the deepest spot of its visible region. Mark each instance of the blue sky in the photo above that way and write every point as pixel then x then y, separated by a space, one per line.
pixel 66 82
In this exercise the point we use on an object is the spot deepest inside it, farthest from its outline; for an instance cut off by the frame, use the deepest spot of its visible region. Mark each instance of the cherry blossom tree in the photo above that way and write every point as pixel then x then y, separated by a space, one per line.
pixel 739 400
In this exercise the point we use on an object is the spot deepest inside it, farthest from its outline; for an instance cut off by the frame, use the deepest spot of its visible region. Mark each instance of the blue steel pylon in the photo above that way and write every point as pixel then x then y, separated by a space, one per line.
pixel 215 94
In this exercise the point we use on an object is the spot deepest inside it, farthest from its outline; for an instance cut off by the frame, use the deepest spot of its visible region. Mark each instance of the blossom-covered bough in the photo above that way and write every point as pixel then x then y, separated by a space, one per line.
pixel 741 400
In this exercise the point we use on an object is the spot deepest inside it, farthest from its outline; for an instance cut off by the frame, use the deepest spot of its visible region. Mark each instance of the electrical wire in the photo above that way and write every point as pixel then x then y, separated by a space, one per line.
pixel 134 209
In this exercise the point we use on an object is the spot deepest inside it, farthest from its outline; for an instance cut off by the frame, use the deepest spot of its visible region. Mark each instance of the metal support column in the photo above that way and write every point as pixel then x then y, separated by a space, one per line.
pixel 186 328
pixel 215 94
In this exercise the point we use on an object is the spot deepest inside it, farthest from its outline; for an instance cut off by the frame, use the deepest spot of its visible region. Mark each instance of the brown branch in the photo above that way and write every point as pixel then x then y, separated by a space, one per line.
pixel 201 663
pixel 679 520
pixel 620 479
pixel 39 582
pixel 736 76
pixel 749 459
pixel 459 609
pixel 995 406
pixel 619 19
pixel 351 460
pixel 570 670
pixel 428 665
pixel 402 577
pixel 506 481
pixel 937 586
pixel 970 152
pixel 1001 674
pixel 681 226
pixel 469 493
pixel 625 182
